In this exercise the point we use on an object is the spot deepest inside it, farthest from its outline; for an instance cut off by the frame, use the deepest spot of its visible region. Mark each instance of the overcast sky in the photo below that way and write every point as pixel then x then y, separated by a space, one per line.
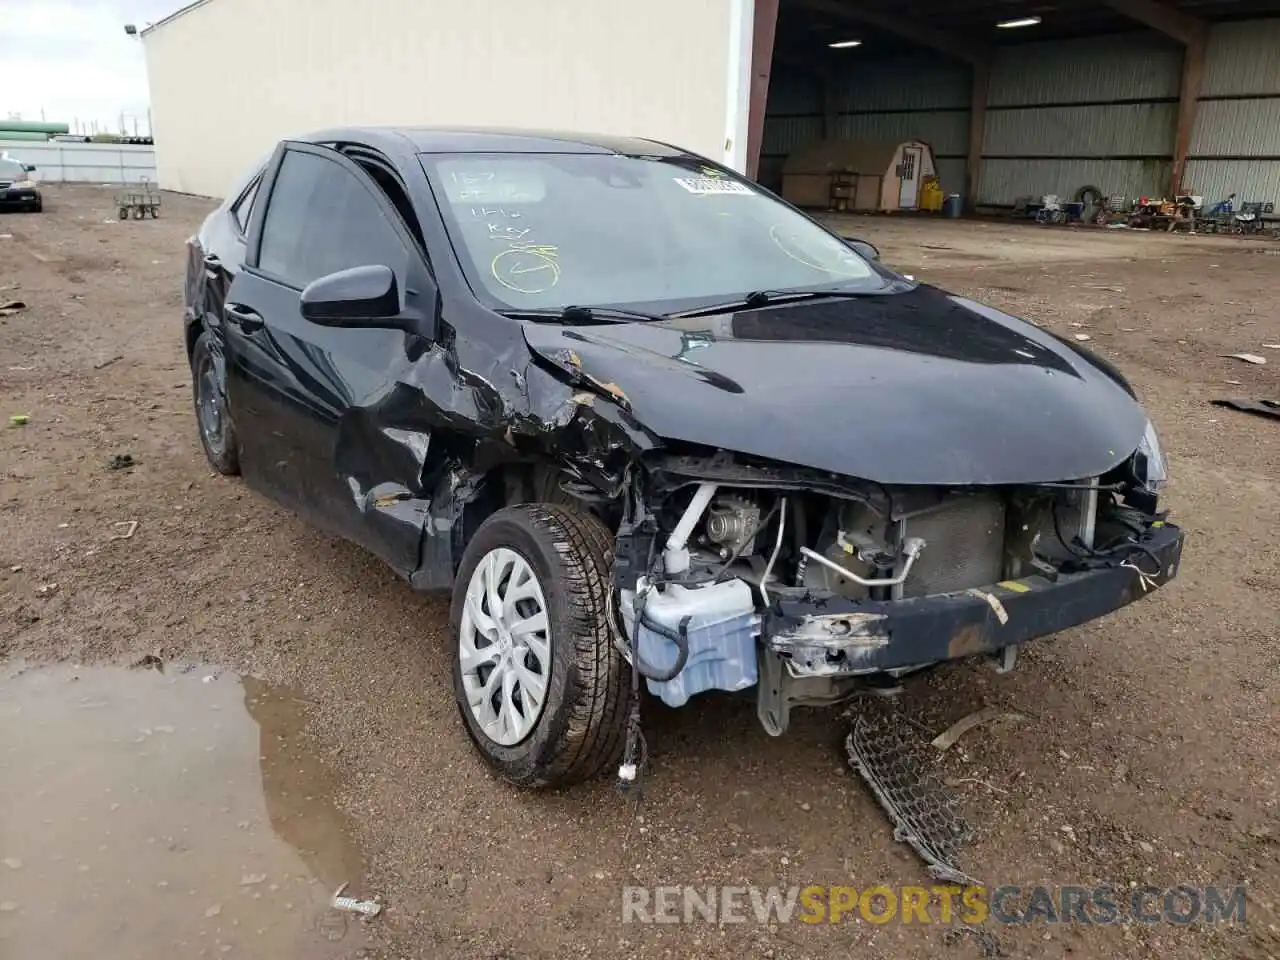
pixel 72 59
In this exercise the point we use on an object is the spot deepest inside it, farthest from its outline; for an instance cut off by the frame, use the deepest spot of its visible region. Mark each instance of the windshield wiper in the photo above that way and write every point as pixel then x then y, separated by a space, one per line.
pixel 768 298
pixel 575 315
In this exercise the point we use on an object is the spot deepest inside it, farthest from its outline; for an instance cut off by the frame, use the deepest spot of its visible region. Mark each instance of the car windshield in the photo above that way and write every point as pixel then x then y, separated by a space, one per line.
pixel 12 170
pixel 545 231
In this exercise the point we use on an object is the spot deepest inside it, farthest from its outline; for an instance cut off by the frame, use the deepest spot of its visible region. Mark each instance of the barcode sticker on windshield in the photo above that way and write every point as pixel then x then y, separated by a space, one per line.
pixel 711 185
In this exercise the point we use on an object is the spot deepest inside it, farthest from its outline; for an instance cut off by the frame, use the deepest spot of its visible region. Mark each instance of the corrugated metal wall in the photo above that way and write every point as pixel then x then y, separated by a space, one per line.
pixel 230 77
pixel 913 98
pixel 1097 112
pixel 1236 144
pixel 1100 112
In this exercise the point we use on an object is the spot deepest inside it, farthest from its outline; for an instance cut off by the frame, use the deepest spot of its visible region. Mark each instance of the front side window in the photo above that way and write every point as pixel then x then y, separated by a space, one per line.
pixel 551 230
pixel 321 219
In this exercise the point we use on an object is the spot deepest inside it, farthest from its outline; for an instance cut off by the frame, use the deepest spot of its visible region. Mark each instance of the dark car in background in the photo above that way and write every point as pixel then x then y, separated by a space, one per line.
pixel 652 426
pixel 17 189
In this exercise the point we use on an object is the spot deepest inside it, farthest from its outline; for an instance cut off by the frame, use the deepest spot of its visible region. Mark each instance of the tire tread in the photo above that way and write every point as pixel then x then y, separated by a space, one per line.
pixel 591 725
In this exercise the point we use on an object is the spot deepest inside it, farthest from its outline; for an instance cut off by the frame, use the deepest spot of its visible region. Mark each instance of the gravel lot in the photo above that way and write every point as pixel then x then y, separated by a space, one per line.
pixel 1151 748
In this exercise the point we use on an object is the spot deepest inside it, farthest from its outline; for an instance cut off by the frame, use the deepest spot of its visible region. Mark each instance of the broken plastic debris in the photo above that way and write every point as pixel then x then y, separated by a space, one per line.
pixel 370 908
pixel 19 420
pixel 1246 357
pixel 992 601
pixel 948 737
pixel 130 528
pixel 1263 407
pixel 1082 337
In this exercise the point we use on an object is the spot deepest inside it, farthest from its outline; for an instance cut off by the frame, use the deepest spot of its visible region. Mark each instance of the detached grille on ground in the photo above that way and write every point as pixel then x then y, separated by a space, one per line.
pixel 924 812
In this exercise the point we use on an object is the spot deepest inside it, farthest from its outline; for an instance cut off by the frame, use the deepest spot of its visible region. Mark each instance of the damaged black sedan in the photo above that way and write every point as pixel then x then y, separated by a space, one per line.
pixel 653 426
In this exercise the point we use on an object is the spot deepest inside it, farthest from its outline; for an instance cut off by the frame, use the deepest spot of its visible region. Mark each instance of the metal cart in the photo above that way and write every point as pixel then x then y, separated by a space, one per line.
pixel 138 200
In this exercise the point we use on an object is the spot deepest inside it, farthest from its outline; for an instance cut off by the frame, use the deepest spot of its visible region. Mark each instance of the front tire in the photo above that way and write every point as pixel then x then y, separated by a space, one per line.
pixel 209 392
pixel 543 691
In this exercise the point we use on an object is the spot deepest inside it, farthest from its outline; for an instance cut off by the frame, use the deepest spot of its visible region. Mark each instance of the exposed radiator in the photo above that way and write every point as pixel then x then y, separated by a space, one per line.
pixel 964 548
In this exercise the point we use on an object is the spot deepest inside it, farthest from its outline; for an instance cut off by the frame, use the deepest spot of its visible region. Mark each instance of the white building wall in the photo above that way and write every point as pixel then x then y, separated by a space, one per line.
pixel 231 77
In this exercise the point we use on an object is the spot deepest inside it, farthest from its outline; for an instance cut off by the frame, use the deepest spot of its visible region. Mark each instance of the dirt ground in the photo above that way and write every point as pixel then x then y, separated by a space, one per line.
pixel 1149 752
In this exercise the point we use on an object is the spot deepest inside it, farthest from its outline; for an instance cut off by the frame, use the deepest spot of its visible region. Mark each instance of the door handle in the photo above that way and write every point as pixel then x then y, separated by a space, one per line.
pixel 212 261
pixel 246 319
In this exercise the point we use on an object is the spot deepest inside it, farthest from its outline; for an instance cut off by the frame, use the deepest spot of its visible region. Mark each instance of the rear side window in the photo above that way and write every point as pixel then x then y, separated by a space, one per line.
pixel 244 206
pixel 320 219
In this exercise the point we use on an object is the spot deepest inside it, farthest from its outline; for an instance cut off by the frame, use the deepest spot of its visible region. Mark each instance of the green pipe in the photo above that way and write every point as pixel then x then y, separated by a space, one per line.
pixel 34 126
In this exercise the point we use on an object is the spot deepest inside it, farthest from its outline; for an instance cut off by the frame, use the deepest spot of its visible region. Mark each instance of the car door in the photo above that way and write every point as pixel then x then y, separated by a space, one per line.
pixel 304 398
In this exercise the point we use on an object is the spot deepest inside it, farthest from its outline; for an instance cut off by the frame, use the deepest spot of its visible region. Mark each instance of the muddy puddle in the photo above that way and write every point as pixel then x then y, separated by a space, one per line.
pixel 148 814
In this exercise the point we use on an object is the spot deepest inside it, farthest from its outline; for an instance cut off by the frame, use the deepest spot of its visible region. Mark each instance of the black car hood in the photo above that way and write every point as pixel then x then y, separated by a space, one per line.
pixel 920 387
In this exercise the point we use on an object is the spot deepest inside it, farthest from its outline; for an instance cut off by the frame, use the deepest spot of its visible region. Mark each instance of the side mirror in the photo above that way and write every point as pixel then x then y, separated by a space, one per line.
pixel 30 167
pixel 863 249
pixel 359 297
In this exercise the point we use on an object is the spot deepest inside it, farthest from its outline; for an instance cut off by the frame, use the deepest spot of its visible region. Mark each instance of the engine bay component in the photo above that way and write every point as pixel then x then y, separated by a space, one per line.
pixel 967 535
pixel 732 525
pixel 675 557
pixel 718 624
pixel 912 547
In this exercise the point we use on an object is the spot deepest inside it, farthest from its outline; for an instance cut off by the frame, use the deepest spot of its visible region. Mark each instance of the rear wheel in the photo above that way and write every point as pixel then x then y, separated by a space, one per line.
pixel 542 688
pixel 209 389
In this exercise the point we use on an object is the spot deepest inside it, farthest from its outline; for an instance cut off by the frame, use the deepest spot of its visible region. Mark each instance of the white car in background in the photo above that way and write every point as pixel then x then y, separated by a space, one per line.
pixel 17 188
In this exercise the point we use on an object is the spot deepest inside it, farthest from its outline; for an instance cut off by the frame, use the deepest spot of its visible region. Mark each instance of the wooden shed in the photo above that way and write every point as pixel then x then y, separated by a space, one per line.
pixel 858 175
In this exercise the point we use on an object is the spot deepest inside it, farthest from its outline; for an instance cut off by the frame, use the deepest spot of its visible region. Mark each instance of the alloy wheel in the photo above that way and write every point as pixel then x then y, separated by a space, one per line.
pixel 209 404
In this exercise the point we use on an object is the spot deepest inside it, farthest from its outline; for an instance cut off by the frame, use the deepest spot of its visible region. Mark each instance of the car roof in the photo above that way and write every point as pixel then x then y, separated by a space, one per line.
pixel 500 140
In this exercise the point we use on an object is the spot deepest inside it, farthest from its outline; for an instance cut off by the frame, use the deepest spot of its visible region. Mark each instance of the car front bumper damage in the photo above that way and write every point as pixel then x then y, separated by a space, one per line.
pixel 824 643
pixel 897 634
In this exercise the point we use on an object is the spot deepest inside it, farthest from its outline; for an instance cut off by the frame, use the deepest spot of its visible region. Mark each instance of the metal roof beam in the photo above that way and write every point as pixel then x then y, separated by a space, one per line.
pixel 1166 19
pixel 921 33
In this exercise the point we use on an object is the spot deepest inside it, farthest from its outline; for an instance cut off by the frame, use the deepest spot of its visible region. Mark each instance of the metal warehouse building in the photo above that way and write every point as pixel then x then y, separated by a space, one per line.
pixel 1013 97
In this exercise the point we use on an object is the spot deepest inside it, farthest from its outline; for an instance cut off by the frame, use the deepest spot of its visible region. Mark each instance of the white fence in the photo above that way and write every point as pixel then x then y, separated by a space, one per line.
pixel 84 162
